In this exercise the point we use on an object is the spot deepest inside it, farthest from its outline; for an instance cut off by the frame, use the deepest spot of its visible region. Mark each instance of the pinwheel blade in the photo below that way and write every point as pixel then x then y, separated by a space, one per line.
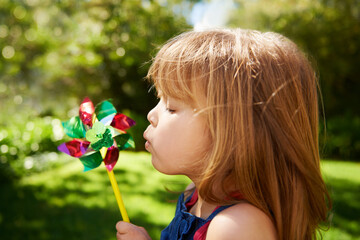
pixel 122 122
pixel 74 128
pixel 104 109
pixel 91 160
pixel 74 148
pixel 111 157
pixel 124 141
pixel 86 111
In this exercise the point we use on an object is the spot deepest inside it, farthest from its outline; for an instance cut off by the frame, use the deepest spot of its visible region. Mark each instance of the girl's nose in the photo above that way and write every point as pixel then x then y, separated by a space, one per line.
pixel 152 117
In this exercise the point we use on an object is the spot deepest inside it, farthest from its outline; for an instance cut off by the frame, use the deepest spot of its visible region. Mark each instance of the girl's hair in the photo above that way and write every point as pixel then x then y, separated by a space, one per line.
pixel 258 94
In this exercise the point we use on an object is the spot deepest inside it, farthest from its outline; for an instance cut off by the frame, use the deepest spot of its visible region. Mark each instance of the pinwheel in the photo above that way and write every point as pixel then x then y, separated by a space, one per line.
pixel 99 134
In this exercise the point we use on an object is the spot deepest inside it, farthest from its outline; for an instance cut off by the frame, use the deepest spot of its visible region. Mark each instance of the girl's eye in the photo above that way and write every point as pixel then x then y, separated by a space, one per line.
pixel 170 110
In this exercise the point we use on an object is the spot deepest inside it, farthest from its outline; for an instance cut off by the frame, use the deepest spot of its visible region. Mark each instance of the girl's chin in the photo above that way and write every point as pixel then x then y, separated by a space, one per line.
pixel 158 166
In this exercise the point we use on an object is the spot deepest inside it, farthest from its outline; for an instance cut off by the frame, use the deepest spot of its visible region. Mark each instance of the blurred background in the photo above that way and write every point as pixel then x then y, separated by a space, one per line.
pixel 54 53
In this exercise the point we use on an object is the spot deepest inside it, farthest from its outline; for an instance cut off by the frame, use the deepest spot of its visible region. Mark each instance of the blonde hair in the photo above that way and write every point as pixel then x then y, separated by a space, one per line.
pixel 258 94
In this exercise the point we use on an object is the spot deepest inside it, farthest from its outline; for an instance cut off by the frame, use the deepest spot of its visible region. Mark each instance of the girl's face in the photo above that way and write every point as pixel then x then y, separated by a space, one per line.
pixel 177 138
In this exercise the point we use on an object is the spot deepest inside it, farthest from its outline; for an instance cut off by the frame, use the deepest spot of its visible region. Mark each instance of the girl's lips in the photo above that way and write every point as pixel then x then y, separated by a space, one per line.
pixel 144 135
pixel 147 145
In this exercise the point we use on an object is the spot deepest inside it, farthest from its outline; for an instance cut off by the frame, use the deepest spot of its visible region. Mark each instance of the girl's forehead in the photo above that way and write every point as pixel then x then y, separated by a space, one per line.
pixel 159 93
pixel 172 96
pixel 166 89
pixel 176 80
pixel 166 97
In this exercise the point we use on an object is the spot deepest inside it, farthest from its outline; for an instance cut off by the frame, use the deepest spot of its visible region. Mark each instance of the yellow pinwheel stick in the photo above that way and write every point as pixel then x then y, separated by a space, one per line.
pixel 116 190
pixel 118 196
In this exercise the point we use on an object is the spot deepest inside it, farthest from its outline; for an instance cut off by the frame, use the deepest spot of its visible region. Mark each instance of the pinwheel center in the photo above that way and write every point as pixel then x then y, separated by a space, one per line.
pixel 103 140
pixel 99 136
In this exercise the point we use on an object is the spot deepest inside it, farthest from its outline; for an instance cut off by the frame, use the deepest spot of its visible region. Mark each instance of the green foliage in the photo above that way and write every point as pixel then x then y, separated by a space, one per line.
pixel 62 51
pixel 28 146
pixel 329 30
pixel 341 137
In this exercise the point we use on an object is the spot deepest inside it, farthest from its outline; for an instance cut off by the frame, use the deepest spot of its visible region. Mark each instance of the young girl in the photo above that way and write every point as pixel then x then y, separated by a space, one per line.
pixel 238 115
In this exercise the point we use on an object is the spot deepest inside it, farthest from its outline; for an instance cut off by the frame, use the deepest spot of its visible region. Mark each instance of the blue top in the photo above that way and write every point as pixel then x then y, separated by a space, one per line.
pixel 186 225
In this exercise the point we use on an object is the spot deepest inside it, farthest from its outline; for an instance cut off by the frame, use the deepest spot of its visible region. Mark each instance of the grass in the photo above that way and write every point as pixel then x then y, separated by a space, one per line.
pixel 65 203
pixel 343 181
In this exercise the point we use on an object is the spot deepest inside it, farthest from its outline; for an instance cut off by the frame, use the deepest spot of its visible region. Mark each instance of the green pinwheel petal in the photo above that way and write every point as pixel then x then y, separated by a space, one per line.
pixel 91 136
pixel 124 141
pixel 104 109
pixel 97 145
pixel 99 128
pixel 99 141
pixel 91 161
pixel 96 133
pixel 74 127
pixel 107 138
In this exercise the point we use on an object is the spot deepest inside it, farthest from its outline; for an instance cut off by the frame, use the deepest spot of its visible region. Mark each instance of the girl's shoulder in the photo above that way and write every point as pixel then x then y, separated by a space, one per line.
pixel 241 221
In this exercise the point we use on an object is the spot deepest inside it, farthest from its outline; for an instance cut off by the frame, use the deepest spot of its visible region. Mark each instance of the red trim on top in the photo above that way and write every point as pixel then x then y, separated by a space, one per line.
pixel 200 234
pixel 192 201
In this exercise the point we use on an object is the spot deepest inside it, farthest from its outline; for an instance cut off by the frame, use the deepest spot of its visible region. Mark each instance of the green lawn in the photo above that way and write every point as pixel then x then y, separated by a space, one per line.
pixel 65 203
pixel 343 180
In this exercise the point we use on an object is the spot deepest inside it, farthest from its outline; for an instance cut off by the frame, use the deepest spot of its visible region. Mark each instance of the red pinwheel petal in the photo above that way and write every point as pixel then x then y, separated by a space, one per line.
pixel 111 157
pixel 86 111
pixel 122 122
pixel 74 148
